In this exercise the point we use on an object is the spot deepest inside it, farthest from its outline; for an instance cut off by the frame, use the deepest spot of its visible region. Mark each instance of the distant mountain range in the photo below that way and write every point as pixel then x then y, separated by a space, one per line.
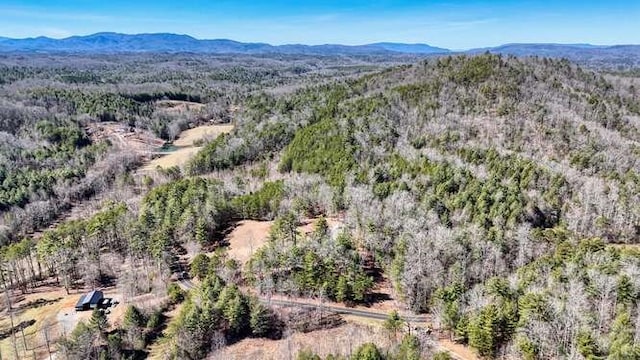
pixel 558 49
pixel 613 57
pixel 115 43
pixel 172 43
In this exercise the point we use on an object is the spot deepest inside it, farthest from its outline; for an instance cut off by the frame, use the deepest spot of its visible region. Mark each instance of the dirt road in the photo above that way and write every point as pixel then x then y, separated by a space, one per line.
pixel 457 351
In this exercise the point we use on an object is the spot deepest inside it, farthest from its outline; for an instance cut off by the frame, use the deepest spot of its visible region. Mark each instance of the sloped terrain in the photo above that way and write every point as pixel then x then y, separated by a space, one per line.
pixel 487 186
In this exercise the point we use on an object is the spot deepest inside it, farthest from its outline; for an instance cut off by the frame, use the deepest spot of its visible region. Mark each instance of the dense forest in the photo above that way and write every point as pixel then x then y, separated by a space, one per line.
pixel 498 195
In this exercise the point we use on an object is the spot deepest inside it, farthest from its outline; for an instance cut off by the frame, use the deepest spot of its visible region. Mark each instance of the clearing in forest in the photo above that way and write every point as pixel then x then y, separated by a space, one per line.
pixel 204 132
pixel 185 143
pixel 124 137
pixel 175 158
pixel 249 235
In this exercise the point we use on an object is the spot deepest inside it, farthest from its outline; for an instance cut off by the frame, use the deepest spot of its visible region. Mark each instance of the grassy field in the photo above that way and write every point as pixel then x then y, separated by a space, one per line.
pixel 176 158
pixel 186 149
pixel 205 132
pixel 249 235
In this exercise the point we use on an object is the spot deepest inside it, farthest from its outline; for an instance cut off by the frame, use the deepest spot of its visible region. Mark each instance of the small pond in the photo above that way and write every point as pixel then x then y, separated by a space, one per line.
pixel 167 148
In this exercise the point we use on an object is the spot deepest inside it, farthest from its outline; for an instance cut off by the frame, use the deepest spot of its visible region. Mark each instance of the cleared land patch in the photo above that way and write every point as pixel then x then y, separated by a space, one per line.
pixel 185 143
pixel 249 235
pixel 204 132
pixel 246 238
pixel 175 158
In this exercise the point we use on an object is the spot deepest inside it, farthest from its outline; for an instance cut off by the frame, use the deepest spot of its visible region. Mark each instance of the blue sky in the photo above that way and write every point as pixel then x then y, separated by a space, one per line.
pixel 451 24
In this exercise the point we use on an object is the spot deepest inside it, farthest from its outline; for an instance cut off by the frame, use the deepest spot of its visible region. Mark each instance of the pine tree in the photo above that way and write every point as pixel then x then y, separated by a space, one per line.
pixel 623 346
pixel 200 266
pixel 234 308
pixel 393 323
pixel 175 293
pixel 259 320
pixel 133 318
pixel 201 231
pixel 361 286
pixel 409 348
pixel 307 355
pixel 367 351
pixel 626 293
pixel 320 229
pixel 114 344
pixel 342 289
pixel 441 355
pixel 98 321
pixel 587 345
pixel 310 270
pixel 482 331
pixel 211 287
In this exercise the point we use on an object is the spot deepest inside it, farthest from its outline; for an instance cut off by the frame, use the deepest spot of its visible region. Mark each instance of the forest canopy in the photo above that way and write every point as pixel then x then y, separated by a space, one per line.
pixel 496 195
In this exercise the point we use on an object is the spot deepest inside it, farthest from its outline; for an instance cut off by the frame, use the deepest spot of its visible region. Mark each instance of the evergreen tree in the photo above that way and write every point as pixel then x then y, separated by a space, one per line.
pixel 342 289
pixel 201 231
pixel 200 266
pixel 393 323
pixel 587 346
pixel 441 355
pixel 367 351
pixel 361 286
pixel 175 293
pixel 98 321
pixel 482 331
pixel 114 344
pixel 259 320
pixel 623 346
pixel 133 318
pixel 625 293
pixel 321 228
pixel 409 348
pixel 307 355
pixel 285 229
pixel 233 305
pixel 310 270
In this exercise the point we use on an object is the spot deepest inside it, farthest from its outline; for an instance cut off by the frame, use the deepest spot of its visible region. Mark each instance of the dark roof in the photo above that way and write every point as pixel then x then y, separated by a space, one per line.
pixel 81 301
pixel 91 298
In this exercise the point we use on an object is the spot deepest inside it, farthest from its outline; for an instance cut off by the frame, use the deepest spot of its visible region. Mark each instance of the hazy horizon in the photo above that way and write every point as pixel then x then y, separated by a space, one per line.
pixel 319 44
pixel 460 25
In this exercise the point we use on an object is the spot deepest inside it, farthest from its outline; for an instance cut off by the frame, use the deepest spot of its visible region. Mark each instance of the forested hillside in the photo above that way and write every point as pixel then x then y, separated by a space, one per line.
pixel 498 195
pixel 489 187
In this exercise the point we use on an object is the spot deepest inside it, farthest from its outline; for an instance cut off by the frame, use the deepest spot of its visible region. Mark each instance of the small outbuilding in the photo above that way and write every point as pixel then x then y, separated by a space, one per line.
pixel 90 300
